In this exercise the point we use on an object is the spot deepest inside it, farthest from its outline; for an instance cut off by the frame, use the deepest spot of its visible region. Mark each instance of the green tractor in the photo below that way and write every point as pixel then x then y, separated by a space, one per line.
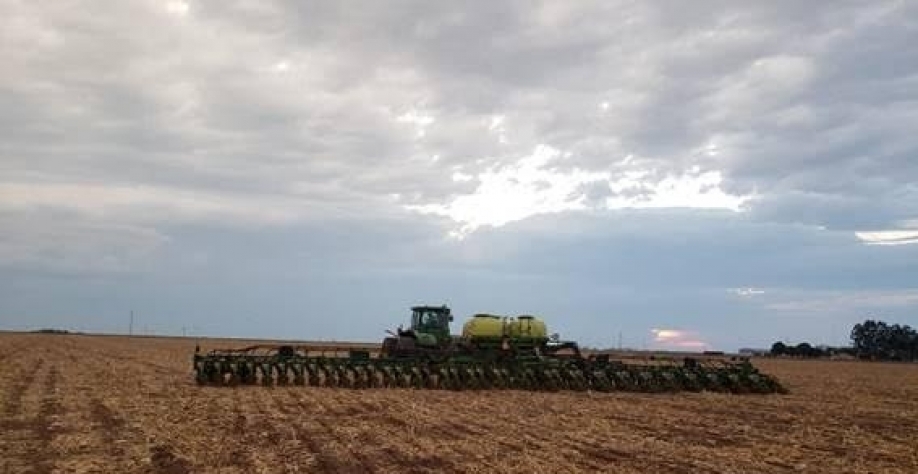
pixel 428 335
pixel 492 352
pixel 484 337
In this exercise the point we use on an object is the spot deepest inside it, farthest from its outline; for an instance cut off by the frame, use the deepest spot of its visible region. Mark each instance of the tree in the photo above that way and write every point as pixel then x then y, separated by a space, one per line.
pixel 778 349
pixel 866 337
pixel 805 349
pixel 878 340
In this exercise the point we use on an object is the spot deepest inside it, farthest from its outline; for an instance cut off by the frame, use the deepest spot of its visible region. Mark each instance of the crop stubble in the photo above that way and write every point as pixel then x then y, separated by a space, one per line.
pixel 114 404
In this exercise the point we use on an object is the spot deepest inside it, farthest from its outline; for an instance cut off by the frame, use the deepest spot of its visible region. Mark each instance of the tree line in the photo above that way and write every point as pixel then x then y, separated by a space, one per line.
pixel 874 340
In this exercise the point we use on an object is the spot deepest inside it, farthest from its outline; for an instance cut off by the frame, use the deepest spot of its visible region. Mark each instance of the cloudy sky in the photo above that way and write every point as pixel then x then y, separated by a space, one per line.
pixel 683 175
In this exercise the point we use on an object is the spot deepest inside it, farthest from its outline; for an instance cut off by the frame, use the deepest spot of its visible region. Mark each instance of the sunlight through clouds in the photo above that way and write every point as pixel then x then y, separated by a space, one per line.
pixel 177 8
pixel 533 186
pixel 417 118
pixel 907 233
pixel 677 339
pixel 516 191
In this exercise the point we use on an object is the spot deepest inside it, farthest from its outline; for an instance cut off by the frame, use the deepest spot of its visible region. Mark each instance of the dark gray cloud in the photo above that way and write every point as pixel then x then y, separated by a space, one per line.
pixel 289 159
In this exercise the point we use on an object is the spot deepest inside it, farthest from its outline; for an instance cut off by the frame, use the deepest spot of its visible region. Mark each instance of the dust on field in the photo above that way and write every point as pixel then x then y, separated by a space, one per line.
pixel 109 404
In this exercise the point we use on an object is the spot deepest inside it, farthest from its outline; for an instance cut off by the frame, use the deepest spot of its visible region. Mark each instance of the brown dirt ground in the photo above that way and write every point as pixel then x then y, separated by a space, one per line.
pixel 112 404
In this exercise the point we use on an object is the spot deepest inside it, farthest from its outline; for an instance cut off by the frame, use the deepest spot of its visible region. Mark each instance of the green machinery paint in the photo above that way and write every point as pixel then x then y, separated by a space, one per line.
pixel 427 356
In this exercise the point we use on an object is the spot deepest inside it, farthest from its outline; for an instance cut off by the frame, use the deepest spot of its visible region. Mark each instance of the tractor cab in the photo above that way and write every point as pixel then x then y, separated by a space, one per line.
pixel 432 320
pixel 428 334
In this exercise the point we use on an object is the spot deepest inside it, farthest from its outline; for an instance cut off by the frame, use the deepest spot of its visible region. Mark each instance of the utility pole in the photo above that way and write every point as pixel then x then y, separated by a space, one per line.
pixel 619 340
pixel 131 325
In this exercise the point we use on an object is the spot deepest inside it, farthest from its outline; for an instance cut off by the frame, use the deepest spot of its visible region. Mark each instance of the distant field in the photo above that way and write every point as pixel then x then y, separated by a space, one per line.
pixel 113 404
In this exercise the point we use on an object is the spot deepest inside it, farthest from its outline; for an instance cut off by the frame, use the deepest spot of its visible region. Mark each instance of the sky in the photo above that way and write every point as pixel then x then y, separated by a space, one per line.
pixel 656 174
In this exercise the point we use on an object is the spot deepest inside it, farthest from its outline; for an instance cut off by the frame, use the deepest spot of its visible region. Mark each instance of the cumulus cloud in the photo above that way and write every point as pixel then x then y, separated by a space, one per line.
pixel 241 98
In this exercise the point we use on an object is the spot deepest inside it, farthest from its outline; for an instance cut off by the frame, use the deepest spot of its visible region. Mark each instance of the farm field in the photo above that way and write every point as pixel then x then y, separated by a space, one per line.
pixel 121 405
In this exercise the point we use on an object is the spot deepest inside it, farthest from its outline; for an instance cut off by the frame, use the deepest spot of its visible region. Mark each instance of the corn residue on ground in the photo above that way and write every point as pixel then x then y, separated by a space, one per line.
pixel 71 403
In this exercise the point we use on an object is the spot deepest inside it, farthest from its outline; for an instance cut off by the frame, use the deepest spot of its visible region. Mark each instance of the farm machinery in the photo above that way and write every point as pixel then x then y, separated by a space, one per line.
pixel 492 352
